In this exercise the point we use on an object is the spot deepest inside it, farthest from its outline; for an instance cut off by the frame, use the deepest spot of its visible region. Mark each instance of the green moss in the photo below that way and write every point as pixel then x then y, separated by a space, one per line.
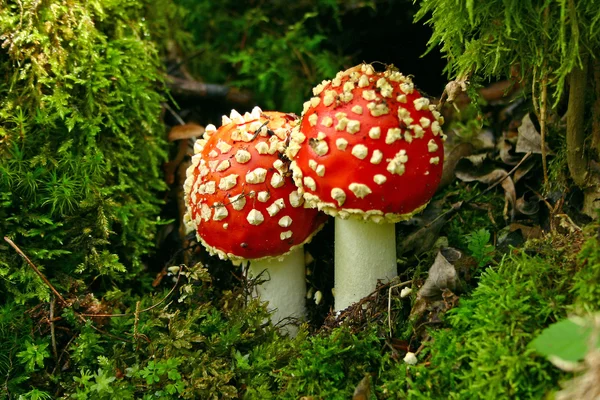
pixel 82 141
pixel 80 150
pixel 585 282
pixel 277 50
pixel 462 224
pixel 483 353
pixel 485 39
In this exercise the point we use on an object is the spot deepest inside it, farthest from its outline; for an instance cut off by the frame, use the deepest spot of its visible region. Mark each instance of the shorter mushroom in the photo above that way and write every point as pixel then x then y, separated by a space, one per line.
pixel 243 204
pixel 181 134
pixel 185 135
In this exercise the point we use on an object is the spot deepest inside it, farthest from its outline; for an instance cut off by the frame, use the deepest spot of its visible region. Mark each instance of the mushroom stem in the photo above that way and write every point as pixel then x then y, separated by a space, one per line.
pixel 284 286
pixel 364 253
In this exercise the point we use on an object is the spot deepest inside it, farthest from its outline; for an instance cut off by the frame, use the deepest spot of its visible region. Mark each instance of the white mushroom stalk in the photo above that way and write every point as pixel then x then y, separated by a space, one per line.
pixel 364 254
pixel 284 286
pixel 368 152
pixel 244 206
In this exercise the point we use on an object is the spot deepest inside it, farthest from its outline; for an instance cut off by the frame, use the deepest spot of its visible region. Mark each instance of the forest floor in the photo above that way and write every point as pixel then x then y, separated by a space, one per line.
pixel 488 275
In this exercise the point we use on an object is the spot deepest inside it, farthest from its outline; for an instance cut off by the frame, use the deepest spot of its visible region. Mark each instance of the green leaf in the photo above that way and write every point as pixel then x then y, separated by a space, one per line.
pixel 565 339
pixel 34 354
pixel 103 382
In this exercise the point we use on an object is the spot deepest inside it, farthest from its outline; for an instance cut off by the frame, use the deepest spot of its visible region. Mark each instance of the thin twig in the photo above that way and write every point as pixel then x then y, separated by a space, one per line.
pixel 52 335
pixel 37 271
pixel 534 100
pixel 136 321
pixel 499 181
pixel 543 105
pixel 489 188
pixel 62 353
pixel 544 128
pixel 102 331
pixel 80 315
pixel 596 108
pixel 394 351
pixel 422 346
pixel 305 68
pixel 145 309
pixel 174 114
pixel 256 132
pixel 176 66
pixel 390 302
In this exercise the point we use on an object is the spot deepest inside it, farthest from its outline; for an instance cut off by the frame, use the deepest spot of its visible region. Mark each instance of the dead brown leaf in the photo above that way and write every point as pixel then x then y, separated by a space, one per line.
pixel 507 154
pixel 363 389
pixel 442 275
pixel 431 300
pixel 528 205
pixel 429 224
pixel 528 232
pixel 451 161
pixel 529 139
pixel 524 169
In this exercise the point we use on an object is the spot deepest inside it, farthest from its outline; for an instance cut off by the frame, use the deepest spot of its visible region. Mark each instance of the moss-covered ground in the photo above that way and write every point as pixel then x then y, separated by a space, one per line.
pixel 101 299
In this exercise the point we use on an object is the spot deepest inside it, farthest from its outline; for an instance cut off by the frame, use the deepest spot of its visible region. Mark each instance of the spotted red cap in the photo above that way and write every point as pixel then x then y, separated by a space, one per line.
pixel 240 197
pixel 369 145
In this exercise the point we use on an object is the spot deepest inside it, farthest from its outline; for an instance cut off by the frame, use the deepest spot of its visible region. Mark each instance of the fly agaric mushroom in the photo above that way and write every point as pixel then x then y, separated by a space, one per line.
pixel 369 152
pixel 243 204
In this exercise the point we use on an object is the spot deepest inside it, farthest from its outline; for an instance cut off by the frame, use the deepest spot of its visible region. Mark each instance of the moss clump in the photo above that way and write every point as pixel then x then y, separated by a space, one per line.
pixel 80 140
pixel 585 282
pixel 483 353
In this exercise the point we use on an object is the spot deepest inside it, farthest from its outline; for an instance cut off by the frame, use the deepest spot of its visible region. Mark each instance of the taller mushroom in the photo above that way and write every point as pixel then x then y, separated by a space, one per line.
pixel 243 204
pixel 369 152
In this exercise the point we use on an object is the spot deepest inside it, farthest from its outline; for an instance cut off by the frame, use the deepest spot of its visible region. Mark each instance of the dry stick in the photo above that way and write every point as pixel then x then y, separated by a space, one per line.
pixel 543 105
pixel 52 336
pixel 390 302
pixel 62 353
pixel 422 346
pixel 136 323
pixel 180 63
pixel 551 209
pixel 37 271
pixel 145 309
pixel 394 351
pixel 543 127
pixel 174 114
pixel 596 108
pixel 536 107
pixel 576 156
pixel 499 181
pixel 305 68
pixel 58 295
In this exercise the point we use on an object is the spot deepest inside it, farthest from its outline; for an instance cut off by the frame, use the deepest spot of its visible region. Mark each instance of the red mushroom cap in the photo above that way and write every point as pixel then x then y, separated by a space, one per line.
pixel 369 146
pixel 240 197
